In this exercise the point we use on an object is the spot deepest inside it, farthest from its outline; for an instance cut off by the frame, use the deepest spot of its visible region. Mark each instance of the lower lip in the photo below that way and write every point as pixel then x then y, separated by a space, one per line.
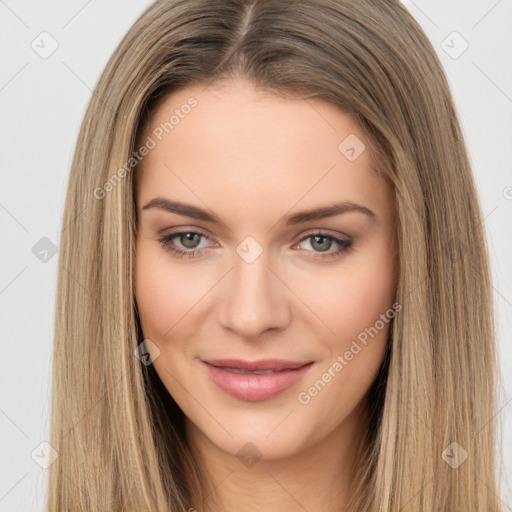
pixel 253 387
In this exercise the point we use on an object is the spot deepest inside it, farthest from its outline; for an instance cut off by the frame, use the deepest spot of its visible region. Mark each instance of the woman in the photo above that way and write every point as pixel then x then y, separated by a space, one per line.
pixel 274 289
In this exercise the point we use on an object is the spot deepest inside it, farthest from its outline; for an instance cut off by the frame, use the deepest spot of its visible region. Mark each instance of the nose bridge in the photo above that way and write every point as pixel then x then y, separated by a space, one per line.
pixel 256 300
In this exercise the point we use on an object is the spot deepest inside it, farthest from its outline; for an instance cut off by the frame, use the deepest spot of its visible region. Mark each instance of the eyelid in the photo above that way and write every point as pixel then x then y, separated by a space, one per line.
pixel 186 229
pixel 326 232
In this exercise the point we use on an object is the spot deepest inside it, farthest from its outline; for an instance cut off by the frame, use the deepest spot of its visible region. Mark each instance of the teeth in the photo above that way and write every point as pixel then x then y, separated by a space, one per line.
pixel 254 372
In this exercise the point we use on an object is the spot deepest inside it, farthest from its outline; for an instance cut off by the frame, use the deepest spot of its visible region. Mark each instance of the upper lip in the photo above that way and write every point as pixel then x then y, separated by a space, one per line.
pixel 261 365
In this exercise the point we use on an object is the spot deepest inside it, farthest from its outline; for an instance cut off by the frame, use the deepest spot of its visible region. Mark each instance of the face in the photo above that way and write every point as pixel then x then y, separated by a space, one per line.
pixel 270 323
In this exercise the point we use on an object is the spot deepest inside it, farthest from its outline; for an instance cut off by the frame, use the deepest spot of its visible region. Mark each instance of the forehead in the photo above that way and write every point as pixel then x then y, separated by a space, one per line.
pixel 256 146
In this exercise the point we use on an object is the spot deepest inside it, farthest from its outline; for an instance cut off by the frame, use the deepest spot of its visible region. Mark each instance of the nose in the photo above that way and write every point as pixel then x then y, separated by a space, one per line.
pixel 255 298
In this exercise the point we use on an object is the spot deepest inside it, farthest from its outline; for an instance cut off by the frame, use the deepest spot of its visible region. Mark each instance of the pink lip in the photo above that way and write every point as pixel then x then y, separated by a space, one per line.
pixel 254 387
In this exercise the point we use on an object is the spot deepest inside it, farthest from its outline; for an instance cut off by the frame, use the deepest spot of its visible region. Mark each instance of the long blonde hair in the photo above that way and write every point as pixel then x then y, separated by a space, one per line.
pixel 118 433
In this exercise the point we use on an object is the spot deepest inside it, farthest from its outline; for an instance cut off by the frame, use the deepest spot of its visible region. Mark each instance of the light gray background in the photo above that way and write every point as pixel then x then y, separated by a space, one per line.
pixel 42 101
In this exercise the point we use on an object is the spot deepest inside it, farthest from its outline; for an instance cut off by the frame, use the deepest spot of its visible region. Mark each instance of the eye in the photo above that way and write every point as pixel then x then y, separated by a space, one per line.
pixel 322 242
pixel 188 239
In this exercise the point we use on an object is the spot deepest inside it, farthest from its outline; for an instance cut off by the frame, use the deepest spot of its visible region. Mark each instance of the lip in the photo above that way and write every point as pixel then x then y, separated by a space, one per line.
pixel 253 387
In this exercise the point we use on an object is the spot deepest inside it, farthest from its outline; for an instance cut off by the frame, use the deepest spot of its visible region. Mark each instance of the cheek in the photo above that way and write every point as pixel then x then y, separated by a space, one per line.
pixel 172 301
pixel 352 307
pixel 162 295
pixel 367 294
pixel 351 298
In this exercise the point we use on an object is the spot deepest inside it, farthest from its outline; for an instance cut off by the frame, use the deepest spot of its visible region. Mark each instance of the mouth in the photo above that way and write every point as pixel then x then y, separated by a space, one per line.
pixel 255 380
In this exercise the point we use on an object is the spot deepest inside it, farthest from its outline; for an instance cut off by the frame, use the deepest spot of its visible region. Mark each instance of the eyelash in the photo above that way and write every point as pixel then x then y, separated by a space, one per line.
pixel 345 245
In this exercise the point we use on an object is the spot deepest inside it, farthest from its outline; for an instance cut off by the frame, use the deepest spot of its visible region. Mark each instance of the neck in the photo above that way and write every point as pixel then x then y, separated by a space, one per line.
pixel 318 477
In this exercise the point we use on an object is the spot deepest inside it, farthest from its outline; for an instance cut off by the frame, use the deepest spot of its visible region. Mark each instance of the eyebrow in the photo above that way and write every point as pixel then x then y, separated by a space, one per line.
pixel 296 218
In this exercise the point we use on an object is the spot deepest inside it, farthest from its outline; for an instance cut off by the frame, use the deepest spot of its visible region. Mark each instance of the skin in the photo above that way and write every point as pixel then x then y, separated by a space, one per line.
pixel 251 158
